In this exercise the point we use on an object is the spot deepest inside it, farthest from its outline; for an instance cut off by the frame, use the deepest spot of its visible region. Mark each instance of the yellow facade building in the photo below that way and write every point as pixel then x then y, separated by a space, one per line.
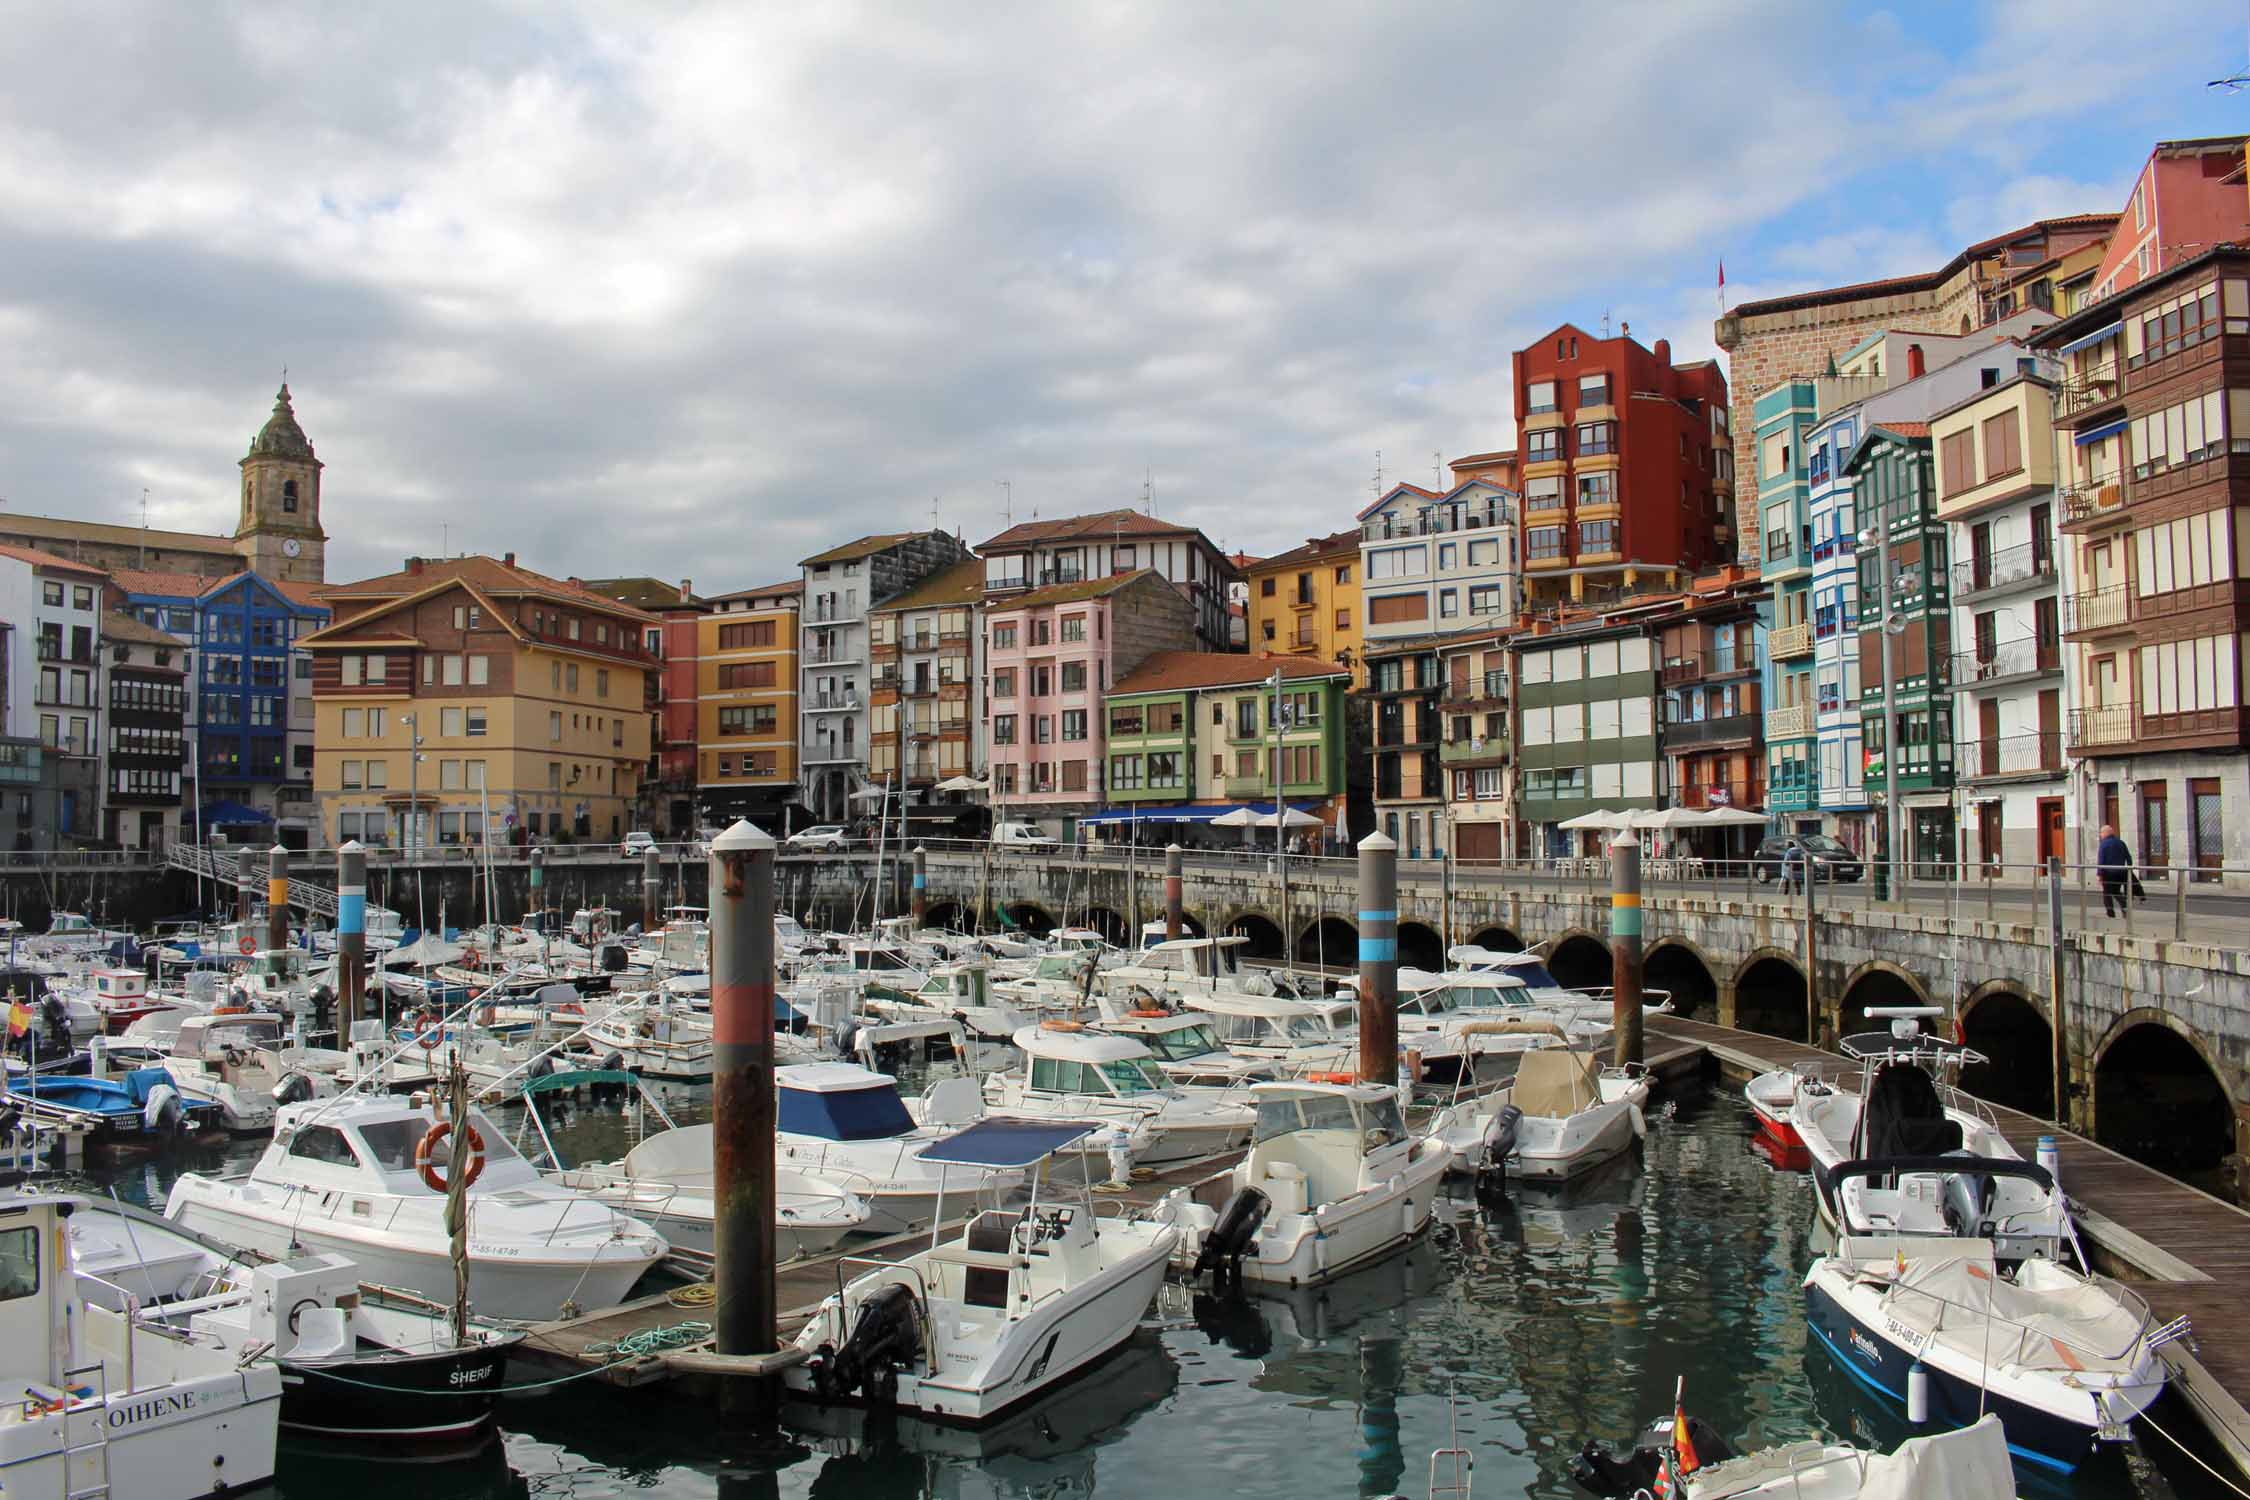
pixel 1305 602
pixel 524 695
pixel 746 705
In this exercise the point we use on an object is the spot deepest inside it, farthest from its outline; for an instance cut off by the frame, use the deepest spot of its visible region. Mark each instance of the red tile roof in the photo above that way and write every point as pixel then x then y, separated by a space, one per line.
pixel 963 583
pixel 1906 429
pixel 168 584
pixel 1315 548
pixel 1170 671
pixel 39 559
pixel 490 574
pixel 1074 593
pixel 866 546
pixel 1100 524
pixel 119 627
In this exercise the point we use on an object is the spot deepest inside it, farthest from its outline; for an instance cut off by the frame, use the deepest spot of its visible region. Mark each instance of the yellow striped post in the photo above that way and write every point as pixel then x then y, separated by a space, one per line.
pixel 1625 947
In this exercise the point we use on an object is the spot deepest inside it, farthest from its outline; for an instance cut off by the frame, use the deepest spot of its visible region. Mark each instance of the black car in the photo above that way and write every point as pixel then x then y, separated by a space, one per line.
pixel 1831 861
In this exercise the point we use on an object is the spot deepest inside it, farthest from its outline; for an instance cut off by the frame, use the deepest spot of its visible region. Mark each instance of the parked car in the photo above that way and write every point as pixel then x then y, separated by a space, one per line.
pixel 1029 836
pixel 637 843
pixel 1831 861
pixel 820 836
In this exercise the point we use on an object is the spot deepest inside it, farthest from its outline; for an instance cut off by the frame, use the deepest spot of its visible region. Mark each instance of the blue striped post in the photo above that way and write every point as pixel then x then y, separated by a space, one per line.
pixel 351 933
pixel 921 887
pixel 1625 947
pixel 1378 959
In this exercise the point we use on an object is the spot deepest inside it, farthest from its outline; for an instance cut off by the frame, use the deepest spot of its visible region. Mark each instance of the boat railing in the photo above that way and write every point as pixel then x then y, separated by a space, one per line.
pixel 876 1263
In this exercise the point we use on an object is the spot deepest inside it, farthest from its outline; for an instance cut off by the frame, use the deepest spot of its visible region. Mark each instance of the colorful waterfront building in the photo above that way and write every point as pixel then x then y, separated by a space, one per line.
pixel 926 720
pixel 1066 550
pixel 746 677
pixel 1192 734
pixel 1306 601
pixel 1477 753
pixel 1785 417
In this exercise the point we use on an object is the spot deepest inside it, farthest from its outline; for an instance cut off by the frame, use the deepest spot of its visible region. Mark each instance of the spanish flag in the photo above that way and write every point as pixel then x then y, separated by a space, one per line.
pixel 1683 1446
pixel 19 1018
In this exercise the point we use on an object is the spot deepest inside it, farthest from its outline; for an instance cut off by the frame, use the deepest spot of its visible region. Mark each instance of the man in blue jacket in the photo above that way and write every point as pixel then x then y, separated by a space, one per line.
pixel 2115 863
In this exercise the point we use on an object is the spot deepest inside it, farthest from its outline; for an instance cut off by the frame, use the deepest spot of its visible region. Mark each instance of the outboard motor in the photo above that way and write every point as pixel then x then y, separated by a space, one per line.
pixel 1618 1478
pixel 847 1037
pixel 163 1114
pixel 57 1017
pixel 1229 1239
pixel 1499 1145
pixel 613 958
pixel 887 1335
pixel 294 1088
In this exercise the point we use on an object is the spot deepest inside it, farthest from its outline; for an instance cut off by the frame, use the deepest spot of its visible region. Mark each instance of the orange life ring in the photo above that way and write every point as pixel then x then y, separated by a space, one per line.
pixel 426 1157
pixel 1062 1025
pixel 1149 1011
pixel 230 1010
pixel 248 945
pixel 428 1032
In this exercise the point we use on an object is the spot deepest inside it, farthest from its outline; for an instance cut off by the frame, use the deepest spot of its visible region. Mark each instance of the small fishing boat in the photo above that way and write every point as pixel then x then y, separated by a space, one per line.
pixel 1071 1072
pixel 1332 1180
pixel 1012 1305
pixel 1968 1464
pixel 847 1125
pixel 143 1108
pixel 102 1403
pixel 1773 1097
pixel 651 1036
pixel 239 1064
pixel 365 1177
pixel 1563 1114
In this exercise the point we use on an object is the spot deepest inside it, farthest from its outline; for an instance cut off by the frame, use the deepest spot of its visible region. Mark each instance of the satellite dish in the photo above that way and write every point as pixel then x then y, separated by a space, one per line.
pixel 1895 625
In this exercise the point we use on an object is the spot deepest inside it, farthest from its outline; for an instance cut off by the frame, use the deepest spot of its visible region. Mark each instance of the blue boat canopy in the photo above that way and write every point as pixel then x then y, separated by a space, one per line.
pixel 1187 812
pixel 1007 1143
pixel 874 1113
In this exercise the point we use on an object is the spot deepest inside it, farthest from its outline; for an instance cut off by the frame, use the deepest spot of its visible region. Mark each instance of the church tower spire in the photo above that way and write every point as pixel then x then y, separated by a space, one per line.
pixel 280 534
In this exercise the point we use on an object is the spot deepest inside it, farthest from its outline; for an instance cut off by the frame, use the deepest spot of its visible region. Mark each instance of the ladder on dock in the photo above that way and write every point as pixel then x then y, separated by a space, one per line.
pixel 226 869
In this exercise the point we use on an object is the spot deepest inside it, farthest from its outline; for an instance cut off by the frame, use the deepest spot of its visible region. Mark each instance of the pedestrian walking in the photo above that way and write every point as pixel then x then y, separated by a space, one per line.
pixel 2115 863
pixel 1792 868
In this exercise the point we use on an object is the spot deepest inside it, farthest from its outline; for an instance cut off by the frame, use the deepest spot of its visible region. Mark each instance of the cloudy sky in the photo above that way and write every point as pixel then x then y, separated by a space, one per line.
pixel 694 290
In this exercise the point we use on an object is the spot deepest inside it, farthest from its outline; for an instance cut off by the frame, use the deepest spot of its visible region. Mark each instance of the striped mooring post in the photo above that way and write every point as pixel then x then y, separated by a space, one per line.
pixel 277 899
pixel 1175 896
pixel 1378 959
pixel 351 934
pixel 921 887
pixel 1625 948
pixel 742 1098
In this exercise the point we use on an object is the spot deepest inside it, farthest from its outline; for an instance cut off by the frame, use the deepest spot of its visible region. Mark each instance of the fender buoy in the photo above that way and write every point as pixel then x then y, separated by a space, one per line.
pixel 1062 1025
pixel 1150 1012
pixel 248 945
pixel 230 1010
pixel 1333 1077
pixel 428 1032
pixel 432 1171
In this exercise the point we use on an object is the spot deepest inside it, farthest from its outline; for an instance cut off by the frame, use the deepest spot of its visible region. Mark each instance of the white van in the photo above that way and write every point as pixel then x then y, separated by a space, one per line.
pixel 1024 836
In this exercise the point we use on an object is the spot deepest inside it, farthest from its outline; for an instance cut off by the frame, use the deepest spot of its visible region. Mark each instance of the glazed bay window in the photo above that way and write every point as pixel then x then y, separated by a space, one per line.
pixel 1003 729
pixel 1164 768
pixel 1124 773
pixel 1597 536
pixel 1596 437
pixel 1004 682
pixel 1597 489
pixel 1539 396
pixel 1543 494
pixel 1126 720
pixel 1074 627
pixel 1543 542
pixel 1074 677
pixel 1543 446
pixel 1074 724
pixel 1166 718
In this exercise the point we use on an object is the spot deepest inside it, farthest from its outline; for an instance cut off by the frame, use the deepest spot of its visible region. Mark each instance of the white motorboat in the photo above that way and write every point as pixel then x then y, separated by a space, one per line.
pixel 1899 1105
pixel 2065 1360
pixel 668 1181
pixel 363 1177
pixel 1187 1049
pixel 241 1063
pixel 1294 1037
pixel 1332 1180
pixel 1970 1463
pixel 1073 1073
pixel 1561 1116
pixel 1018 1301
pixel 1541 988
pixel 847 1125
pixel 652 1037
pixel 103 1404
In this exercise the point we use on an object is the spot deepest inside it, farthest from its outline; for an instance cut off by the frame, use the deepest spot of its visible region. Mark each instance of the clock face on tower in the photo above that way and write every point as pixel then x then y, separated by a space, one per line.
pixel 290 547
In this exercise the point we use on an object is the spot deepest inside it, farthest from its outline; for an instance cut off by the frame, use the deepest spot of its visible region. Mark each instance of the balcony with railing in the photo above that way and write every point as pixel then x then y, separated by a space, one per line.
pixel 832 702
pixel 1792 723
pixel 1733 792
pixel 2026 565
pixel 1743 727
pixel 2007 661
pixel 1683 669
pixel 2093 610
pixel 1790 640
pixel 2089 392
pixel 2094 502
pixel 1491 687
pixel 2003 755
pixel 2096 729
pixel 1474 749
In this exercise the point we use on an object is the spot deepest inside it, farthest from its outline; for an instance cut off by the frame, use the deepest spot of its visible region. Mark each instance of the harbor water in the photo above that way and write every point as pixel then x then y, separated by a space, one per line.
pixel 1522 1328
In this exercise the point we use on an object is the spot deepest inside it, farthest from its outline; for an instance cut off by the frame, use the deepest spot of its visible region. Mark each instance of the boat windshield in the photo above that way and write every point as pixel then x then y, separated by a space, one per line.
pixel 391 1143
pixel 1134 1075
pixel 1535 975
pixel 1290 1113
pixel 1484 996
pixel 871 1114
pixel 1181 1043
pixel 1310 1026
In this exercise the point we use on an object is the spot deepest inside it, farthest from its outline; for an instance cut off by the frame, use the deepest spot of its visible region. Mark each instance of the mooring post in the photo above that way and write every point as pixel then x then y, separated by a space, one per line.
pixel 277 899
pixel 652 888
pixel 1378 959
pixel 538 882
pixel 742 1096
pixel 351 935
pixel 1175 895
pixel 1625 947
pixel 1814 1023
pixel 245 900
pixel 921 886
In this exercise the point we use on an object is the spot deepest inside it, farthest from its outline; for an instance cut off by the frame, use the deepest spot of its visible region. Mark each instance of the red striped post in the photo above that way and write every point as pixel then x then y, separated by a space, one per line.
pixel 1175 884
pixel 742 1092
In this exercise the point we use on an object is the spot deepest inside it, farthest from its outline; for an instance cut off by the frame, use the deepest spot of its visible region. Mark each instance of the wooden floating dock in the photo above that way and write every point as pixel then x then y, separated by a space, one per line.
pixel 2189 1253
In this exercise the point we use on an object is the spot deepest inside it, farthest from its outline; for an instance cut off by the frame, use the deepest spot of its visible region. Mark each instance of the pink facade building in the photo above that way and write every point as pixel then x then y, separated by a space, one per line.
pixel 1050 655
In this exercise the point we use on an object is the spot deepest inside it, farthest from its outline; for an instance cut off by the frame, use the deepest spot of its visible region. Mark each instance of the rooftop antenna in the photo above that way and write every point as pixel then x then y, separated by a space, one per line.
pixel 144 528
pixel 1437 470
pixel 1378 472
pixel 1605 322
pixel 933 514
pixel 1007 501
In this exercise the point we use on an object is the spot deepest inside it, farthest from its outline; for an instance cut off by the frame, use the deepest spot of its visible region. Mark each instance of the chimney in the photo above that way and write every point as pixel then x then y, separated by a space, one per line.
pixel 1914 366
pixel 414 565
pixel 1662 351
pixel 687 589
pixel 508 558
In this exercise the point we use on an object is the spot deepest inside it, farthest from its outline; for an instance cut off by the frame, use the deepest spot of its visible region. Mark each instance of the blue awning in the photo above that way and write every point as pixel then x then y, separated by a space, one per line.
pixel 230 815
pixel 2108 331
pixel 2096 434
pixel 1007 1143
pixel 1188 812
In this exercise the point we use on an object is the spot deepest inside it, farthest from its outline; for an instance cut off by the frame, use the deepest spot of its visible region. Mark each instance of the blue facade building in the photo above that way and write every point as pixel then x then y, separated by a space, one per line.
pixel 1837 789
pixel 250 726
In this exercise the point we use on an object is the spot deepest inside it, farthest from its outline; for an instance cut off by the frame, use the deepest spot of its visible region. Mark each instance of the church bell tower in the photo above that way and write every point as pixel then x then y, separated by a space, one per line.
pixel 280 535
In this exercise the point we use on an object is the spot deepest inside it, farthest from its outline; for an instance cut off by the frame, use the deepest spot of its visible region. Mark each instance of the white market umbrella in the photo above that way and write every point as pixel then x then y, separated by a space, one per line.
pixel 1599 820
pixel 1671 817
pixel 1730 817
pixel 871 794
pixel 1241 817
pixel 962 784
pixel 1288 817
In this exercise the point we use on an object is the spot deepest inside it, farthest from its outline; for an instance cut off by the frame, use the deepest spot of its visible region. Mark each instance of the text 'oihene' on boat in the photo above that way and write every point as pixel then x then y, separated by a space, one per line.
pixel 667 1178
pixel 1562 1113
pixel 1900 1103
pixel 1072 1072
pixel 1013 1302
pixel 1332 1180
